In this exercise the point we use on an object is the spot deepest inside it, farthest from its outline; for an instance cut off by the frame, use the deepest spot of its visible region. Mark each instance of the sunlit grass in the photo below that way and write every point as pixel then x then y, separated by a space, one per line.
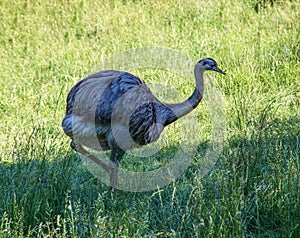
pixel 253 191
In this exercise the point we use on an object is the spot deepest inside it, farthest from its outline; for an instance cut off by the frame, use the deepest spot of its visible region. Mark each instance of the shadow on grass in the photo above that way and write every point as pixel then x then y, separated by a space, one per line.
pixel 35 191
pixel 252 191
pixel 257 177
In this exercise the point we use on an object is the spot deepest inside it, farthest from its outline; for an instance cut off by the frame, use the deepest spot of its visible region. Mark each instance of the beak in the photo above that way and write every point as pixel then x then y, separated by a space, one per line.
pixel 218 70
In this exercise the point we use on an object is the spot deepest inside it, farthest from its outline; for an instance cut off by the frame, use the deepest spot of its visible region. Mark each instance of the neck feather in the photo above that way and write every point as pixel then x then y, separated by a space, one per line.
pixel 181 109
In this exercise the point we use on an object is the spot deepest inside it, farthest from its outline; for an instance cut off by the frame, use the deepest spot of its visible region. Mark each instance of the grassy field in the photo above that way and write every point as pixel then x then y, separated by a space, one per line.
pixel 253 190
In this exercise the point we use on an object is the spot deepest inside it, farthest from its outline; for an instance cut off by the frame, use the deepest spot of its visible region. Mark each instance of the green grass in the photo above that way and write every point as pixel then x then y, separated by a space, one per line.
pixel 253 191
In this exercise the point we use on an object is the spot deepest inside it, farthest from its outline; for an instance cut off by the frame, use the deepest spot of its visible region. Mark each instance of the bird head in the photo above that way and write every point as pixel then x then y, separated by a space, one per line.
pixel 210 64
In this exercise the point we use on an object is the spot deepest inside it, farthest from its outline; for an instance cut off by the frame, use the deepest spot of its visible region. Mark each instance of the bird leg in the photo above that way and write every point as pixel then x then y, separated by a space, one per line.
pixel 111 168
pixel 113 174
pixel 115 157
pixel 82 151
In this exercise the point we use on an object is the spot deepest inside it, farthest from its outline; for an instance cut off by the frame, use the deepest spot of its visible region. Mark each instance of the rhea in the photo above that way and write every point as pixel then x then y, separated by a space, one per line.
pixel 115 110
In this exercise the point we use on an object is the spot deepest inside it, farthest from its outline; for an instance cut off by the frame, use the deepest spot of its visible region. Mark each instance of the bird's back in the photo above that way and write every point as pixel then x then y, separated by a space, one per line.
pixel 86 91
pixel 94 96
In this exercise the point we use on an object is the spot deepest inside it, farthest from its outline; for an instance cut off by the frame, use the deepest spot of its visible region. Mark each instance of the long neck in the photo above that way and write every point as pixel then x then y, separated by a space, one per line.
pixel 181 109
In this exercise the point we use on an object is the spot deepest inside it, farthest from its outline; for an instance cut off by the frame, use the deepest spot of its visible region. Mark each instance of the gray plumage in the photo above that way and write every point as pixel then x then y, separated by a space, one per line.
pixel 114 110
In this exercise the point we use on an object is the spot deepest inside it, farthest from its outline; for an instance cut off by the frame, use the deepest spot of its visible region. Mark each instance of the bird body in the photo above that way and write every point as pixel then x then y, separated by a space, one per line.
pixel 93 102
pixel 115 110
